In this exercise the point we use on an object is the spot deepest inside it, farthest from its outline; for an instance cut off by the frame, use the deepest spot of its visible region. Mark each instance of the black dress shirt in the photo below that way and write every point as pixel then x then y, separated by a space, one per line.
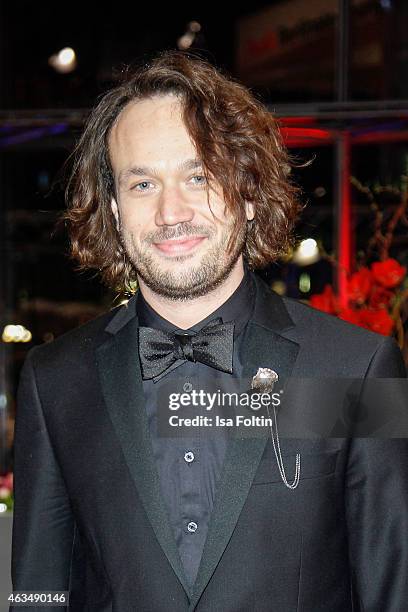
pixel 189 467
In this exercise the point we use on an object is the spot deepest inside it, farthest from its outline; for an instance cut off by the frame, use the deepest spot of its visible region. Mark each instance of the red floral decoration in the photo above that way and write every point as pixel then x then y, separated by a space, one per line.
pixel 380 297
pixel 6 491
pixel 325 301
pixel 388 273
pixel 359 285
pixel 372 294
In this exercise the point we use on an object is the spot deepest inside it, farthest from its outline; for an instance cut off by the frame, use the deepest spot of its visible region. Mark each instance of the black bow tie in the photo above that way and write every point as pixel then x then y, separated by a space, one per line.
pixel 160 350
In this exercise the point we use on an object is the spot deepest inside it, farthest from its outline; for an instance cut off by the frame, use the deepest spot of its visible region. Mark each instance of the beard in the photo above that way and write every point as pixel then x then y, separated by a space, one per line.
pixel 197 280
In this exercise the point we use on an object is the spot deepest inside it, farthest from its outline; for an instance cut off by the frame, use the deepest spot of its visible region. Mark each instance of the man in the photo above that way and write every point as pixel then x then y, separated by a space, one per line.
pixel 181 183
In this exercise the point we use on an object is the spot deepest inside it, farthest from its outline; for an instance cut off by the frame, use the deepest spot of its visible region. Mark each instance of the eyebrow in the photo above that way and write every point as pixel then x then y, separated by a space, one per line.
pixel 124 175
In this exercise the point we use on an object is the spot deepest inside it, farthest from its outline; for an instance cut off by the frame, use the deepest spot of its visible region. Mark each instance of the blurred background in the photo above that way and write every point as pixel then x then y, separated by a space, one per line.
pixel 334 72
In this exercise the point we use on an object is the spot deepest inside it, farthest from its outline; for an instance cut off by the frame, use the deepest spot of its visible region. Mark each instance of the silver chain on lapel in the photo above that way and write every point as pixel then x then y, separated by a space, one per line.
pixel 278 455
pixel 264 380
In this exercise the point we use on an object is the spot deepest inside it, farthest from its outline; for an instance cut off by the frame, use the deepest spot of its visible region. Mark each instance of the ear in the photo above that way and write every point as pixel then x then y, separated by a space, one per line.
pixel 115 210
pixel 250 211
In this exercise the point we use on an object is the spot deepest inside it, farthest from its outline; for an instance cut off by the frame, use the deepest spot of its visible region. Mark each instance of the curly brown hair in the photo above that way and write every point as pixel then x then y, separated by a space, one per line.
pixel 237 138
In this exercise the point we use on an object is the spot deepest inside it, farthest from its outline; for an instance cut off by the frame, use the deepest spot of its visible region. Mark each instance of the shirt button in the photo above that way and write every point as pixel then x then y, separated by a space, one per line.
pixel 187 387
pixel 192 526
pixel 189 456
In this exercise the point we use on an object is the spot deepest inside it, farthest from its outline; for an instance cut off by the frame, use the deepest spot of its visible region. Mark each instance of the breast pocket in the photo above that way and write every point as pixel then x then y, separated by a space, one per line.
pixel 311 466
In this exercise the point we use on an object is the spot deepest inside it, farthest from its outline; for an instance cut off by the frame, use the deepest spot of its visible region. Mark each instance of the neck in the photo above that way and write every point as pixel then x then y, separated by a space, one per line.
pixel 195 310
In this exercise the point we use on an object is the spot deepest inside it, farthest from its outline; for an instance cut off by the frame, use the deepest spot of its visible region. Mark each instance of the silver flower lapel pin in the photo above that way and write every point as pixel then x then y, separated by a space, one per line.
pixel 264 380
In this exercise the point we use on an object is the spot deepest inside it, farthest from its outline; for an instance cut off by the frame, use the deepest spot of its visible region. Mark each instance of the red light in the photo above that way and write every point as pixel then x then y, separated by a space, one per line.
pixel 297 136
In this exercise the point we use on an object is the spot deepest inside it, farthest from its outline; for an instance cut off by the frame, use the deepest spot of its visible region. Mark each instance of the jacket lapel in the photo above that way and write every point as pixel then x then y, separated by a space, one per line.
pixel 263 346
pixel 121 381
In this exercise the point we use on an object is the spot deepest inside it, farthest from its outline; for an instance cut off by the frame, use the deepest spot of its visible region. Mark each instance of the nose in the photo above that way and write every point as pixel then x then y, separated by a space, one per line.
pixel 173 208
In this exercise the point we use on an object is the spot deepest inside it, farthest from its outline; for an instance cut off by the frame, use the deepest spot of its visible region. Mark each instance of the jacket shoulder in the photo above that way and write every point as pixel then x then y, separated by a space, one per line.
pixel 329 327
pixel 74 343
pixel 340 347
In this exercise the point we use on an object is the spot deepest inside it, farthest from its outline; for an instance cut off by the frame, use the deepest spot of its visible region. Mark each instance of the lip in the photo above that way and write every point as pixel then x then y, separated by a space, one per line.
pixel 179 245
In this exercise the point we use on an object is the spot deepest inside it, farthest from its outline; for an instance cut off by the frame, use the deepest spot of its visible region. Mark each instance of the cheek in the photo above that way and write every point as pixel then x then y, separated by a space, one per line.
pixel 217 211
pixel 132 232
pixel 223 219
pixel 136 218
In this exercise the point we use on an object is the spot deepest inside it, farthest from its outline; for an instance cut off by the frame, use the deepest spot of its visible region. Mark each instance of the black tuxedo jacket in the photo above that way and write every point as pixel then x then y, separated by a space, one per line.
pixel 89 517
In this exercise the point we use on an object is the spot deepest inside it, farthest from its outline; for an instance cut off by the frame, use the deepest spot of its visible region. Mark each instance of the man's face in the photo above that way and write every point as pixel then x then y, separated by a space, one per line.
pixel 173 226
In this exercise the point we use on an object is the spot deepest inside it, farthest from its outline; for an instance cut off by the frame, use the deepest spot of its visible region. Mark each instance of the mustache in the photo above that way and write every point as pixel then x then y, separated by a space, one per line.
pixel 182 229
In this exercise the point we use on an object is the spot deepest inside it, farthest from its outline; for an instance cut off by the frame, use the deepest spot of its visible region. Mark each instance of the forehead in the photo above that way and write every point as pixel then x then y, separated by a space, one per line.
pixel 149 132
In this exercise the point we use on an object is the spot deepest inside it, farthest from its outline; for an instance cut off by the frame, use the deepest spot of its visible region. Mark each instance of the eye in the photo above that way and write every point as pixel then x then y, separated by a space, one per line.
pixel 198 179
pixel 142 186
